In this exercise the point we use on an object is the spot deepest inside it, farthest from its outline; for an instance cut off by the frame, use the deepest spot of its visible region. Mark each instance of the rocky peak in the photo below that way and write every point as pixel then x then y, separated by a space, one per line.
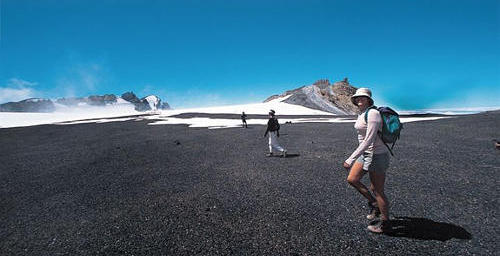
pixel 341 95
pixel 130 97
pixel 151 102
pixel 322 82
pixel 322 95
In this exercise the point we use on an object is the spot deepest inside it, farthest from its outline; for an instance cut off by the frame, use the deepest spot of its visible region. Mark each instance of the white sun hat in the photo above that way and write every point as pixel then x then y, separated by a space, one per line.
pixel 365 92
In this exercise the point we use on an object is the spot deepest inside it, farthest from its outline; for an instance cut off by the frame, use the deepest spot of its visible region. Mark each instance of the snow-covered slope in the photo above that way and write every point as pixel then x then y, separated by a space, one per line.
pixel 19 119
pixel 276 104
pixel 124 108
pixel 153 101
pixel 94 114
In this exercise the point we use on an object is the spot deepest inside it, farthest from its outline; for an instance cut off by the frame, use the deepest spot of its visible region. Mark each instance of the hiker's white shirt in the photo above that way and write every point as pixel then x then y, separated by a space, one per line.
pixel 273 142
pixel 369 140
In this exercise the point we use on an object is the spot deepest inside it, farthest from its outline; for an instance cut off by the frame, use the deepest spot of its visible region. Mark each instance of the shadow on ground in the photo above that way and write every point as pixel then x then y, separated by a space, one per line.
pixel 425 229
pixel 288 155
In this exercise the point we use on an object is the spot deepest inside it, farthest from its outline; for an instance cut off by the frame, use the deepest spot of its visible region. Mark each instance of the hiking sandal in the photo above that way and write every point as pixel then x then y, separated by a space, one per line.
pixel 380 227
pixel 374 211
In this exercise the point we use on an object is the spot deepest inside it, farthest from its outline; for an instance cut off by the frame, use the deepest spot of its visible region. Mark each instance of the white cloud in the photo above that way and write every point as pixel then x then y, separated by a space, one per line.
pixel 472 98
pixel 147 90
pixel 81 78
pixel 16 90
pixel 90 75
pixel 195 98
pixel 16 82
pixel 13 94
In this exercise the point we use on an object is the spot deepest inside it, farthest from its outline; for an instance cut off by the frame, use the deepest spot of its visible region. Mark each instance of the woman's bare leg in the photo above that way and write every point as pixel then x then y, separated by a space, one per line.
pixel 378 180
pixel 354 179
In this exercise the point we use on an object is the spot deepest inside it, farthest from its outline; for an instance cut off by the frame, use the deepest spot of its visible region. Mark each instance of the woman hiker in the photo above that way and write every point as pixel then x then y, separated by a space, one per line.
pixel 273 129
pixel 370 156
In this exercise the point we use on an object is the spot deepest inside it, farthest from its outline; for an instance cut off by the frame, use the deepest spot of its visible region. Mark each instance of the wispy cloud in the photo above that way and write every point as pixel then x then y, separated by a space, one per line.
pixel 16 82
pixel 90 75
pixel 81 78
pixel 77 75
pixel 148 90
pixel 472 97
pixel 195 98
pixel 16 90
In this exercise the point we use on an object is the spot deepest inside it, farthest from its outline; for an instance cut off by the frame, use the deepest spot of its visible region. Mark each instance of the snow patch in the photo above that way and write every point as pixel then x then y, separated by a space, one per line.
pixel 281 108
pixel 218 123
pixel 280 99
pixel 100 114
pixel 35 100
pixel 153 101
pixel 65 114
pixel 98 121
pixel 119 100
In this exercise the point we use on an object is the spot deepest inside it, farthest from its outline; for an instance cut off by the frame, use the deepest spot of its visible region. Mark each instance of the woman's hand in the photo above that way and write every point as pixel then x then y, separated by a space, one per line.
pixel 347 166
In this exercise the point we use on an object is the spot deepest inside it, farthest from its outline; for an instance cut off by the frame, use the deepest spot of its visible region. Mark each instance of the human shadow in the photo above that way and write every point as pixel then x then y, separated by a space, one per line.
pixel 425 229
pixel 288 155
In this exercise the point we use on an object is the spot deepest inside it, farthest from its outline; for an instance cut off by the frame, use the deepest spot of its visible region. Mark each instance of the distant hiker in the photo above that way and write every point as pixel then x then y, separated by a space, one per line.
pixel 244 119
pixel 370 156
pixel 273 129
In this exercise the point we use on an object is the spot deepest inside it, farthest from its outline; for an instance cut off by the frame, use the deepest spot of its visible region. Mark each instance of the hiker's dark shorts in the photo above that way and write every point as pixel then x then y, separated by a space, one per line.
pixel 374 163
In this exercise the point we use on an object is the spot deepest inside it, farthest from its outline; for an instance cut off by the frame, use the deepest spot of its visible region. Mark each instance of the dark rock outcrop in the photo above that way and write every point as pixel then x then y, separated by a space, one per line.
pixel 28 105
pixel 341 96
pixel 165 105
pixel 150 102
pixel 130 97
pixel 140 104
pixel 322 95
pixel 69 101
pixel 98 100
pixel 93 100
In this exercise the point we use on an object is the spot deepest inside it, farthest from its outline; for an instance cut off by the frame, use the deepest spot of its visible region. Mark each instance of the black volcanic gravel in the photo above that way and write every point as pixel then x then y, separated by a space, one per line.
pixel 126 188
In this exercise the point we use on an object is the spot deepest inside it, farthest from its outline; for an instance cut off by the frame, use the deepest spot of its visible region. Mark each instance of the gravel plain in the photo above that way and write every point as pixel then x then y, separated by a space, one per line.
pixel 127 188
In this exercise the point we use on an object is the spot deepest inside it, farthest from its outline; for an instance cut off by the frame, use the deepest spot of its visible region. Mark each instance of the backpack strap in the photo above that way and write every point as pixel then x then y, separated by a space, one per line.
pixel 366 112
pixel 389 148
pixel 378 132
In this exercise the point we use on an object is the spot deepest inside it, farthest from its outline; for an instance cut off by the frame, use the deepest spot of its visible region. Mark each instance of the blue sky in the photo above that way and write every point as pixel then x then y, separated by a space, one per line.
pixel 413 54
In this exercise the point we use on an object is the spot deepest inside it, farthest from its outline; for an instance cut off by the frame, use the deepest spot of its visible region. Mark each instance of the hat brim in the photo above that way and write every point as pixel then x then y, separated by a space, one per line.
pixel 353 98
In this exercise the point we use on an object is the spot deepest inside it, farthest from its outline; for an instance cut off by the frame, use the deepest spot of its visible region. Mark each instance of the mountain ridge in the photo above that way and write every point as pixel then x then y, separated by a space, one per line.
pixel 322 95
pixel 150 102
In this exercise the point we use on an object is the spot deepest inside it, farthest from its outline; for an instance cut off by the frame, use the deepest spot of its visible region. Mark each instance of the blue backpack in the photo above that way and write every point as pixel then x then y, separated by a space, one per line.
pixel 391 126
